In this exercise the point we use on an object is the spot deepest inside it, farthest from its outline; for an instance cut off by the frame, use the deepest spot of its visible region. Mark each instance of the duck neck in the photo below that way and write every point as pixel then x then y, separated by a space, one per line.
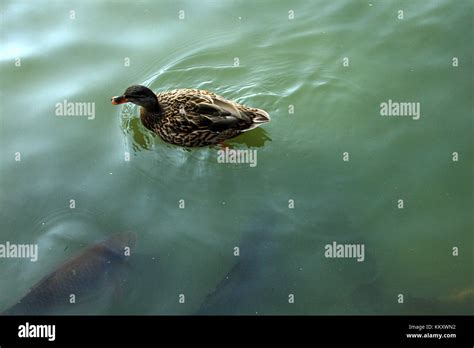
pixel 151 114
pixel 155 109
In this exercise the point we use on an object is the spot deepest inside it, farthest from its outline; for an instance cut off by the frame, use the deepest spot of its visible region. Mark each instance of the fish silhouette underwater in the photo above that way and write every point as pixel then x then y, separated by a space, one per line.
pixel 79 284
pixel 239 292
pixel 258 276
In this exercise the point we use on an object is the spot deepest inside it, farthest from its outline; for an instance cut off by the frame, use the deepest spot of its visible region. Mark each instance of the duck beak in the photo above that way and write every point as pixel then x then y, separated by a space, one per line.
pixel 119 100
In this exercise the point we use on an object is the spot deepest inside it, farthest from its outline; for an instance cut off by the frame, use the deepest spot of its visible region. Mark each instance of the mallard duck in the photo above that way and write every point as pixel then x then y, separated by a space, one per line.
pixel 192 117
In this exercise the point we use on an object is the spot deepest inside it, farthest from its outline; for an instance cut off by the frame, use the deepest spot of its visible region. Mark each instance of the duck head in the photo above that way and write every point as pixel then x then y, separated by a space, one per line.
pixel 139 95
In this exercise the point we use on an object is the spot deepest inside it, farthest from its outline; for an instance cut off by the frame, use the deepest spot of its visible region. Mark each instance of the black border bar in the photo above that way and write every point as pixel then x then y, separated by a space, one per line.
pixel 136 330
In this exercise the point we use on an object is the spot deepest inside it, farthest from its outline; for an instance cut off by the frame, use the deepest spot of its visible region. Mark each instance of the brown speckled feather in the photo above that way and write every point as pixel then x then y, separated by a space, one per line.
pixel 192 117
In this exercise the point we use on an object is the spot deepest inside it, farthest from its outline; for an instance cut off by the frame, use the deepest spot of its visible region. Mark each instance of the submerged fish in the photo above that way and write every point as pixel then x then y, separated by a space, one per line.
pixel 259 275
pixel 240 290
pixel 79 280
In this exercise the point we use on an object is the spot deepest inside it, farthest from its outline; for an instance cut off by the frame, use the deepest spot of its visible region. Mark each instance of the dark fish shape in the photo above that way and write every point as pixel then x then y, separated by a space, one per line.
pixel 85 276
pixel 255 276
pixel 238 292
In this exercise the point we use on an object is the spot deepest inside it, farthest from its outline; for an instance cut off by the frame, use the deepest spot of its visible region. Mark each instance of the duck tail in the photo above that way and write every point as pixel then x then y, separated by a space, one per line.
pixel 258 117
pixel 261 116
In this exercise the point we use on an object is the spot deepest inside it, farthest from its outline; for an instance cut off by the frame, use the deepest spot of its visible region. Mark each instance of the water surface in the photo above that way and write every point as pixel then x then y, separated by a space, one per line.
pixel 283 65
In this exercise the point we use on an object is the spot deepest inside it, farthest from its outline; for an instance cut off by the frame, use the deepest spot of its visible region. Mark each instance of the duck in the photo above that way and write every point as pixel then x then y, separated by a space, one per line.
pixel 192 117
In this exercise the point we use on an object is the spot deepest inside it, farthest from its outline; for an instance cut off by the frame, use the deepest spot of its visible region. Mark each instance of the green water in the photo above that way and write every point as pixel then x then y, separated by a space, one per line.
pixel 284 64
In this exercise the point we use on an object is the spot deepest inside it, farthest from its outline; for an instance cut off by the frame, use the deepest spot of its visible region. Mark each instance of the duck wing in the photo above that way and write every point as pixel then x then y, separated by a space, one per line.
pixel 215 113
